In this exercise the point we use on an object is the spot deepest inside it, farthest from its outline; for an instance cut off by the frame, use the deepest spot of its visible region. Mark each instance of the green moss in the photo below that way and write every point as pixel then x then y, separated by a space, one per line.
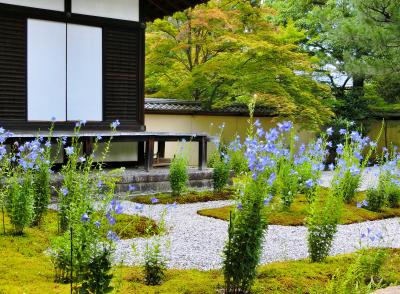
pixel 280 277
pixel 133 226
pixel 298 212
pixel 190 197
pixel 24 268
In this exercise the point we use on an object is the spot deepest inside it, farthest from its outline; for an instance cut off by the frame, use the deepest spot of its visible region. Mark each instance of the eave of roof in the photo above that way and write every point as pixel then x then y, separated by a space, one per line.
pixel 153 9
pixel 181 107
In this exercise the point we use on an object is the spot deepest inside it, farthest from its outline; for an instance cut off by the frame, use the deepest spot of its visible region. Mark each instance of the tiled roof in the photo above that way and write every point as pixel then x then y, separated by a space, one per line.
pixel 176 106
pixel 159 8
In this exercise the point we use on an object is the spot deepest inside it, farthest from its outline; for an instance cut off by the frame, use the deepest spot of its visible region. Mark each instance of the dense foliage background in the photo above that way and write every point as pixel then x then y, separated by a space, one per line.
pixel 304 58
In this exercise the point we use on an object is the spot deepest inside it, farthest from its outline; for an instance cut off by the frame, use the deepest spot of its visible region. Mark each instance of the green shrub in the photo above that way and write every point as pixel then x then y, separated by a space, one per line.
pixel 155 264
pixel 96 276
pixel 19 201
pixel 178 174
pixel 287 184
pixel 362 276
pixel 246 232
pixel 322 226
pixel 213 158
pixel 87 217
pixel 221 174
pixel 375 199
pixel 393 197
pixel 42 192
pixel 345 186
pixel 237 161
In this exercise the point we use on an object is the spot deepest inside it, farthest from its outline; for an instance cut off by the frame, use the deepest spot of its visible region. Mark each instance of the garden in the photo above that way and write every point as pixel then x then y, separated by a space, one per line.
pixel 281 218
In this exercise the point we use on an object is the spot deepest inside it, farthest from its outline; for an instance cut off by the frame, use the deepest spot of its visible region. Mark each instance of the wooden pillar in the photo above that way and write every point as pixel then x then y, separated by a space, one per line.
pixel 87 146
pixel 161 149
pixel 141 154
pixel 202 152
pixel 149 154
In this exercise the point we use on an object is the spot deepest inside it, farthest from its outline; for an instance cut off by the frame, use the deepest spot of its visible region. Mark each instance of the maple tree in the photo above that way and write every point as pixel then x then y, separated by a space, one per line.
pixel 226 52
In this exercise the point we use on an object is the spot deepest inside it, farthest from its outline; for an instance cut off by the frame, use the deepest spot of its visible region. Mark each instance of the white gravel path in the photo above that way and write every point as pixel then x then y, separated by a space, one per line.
pixel 196 241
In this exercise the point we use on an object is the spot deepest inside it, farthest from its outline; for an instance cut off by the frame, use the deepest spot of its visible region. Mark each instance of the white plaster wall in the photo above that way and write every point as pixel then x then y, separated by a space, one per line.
pixel 119 151
pixel 46 70
pixel 234 125
pixel 84 73
pixel 44 4
pixel 119 9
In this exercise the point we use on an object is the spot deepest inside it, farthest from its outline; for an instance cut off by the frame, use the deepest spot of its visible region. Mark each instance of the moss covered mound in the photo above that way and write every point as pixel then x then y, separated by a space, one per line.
pixel 297 214
pixel 189 197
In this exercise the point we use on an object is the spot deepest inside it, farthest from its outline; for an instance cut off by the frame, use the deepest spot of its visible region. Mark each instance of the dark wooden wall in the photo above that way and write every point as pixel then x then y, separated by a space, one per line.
pixel 123 66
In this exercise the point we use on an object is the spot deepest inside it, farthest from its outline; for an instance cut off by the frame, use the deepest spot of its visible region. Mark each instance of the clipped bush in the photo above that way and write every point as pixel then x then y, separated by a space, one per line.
pixel 322 226
pixel 375 199
pixel 221 174
pixel 178 174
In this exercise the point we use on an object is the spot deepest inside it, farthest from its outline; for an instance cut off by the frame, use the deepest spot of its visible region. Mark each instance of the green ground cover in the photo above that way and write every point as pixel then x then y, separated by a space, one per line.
pixel 189 197
pixel 298 212
pixel 25 268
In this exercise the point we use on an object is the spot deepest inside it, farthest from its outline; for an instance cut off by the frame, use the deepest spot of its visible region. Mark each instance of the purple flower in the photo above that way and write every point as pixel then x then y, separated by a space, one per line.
pixel 85 218
pixel 154 200
pixel 260 132
pixel 97 224
pixel 358 204
pixel 99 184
pixel 111 219
pixel 365 204
pixel 331 166
pixel 342 132
pixel 69 150
pixel 139 206
pixel 339 149
pixel 112 236
pixel 131 187
pixel 240 207
pixel 119 209
pixel 285 126
pixel 116 206
pixel 354 170
pixel 267 200
pixel 115 124
pixel 309 183
pixel 329 131
pixel 99 137
pixel 82 159
pixel 64 191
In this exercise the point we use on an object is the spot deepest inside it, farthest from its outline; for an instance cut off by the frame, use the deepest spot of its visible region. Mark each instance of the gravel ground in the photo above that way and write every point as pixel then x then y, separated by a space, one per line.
pixel 196 242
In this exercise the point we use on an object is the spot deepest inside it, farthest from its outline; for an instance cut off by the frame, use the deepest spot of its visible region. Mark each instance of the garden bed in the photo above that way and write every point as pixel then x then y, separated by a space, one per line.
pixel 298 212
pixel 26 269
pixel 189 197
